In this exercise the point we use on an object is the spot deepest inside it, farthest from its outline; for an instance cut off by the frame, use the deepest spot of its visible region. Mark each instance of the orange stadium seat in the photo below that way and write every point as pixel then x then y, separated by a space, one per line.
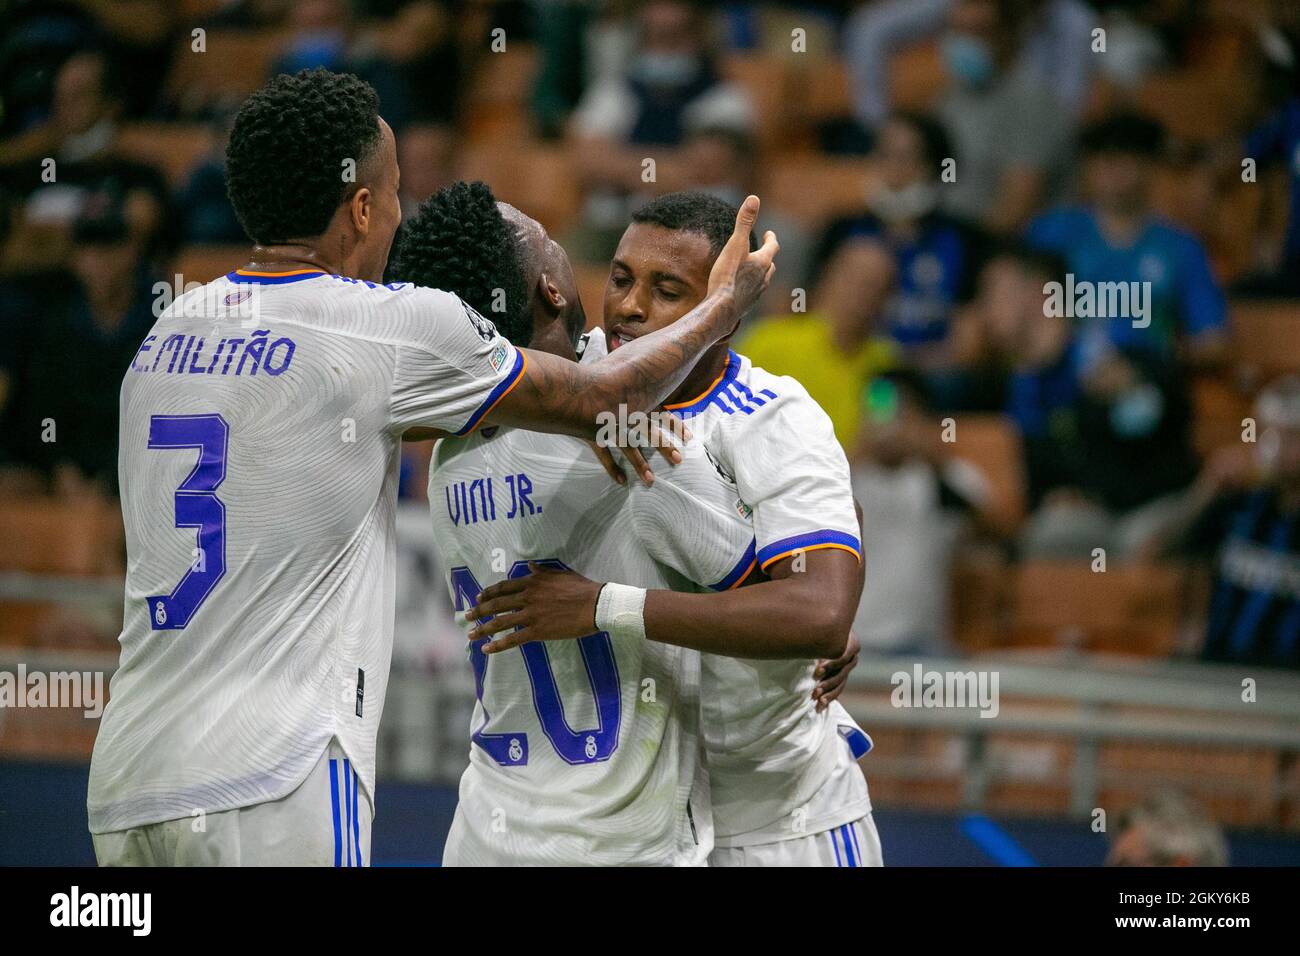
pixel 1266 335
pixel 205 263
pixel 916 77
pixel 497 101
pixel 535 176
pixel 1217 411
pixel 979 597
pixel 591 287
pixel 766 79
pixel 1128 609
pixel 45 536
pixel 233 64
pixel 1191 105
pixel 991 443
pixel 815 189
pixel 174 148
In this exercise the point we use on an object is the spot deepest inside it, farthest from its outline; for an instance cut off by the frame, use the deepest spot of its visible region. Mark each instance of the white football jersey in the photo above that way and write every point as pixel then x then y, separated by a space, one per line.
pixel 582 751
pixel 260 435
pixel 770 753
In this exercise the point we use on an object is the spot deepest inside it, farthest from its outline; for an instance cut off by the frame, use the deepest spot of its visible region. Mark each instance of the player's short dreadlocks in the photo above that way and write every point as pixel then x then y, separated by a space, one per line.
pixel 694 212
pixel 459 242
pixel 285 159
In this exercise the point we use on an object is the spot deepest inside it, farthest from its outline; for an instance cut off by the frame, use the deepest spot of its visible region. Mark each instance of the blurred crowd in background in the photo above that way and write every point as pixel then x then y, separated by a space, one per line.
pixel 931 167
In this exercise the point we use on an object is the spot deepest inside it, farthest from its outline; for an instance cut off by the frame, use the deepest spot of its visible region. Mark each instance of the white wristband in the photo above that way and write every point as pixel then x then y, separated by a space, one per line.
pixel 620 611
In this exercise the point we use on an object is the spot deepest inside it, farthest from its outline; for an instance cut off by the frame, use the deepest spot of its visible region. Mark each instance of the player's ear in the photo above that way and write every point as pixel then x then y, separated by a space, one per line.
pixel 550 295
pixel 360 210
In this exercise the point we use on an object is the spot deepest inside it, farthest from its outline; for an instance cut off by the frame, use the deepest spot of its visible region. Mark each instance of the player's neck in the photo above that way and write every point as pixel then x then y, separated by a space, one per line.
pixel 701 378
pixel 290 257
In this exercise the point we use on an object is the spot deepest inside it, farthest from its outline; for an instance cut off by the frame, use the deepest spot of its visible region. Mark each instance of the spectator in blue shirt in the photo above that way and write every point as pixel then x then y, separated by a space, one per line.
pixel 1116 237
pixel 935 258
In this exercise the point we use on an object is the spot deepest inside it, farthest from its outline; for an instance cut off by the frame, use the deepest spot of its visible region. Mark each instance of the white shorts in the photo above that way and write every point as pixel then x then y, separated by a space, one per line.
pixel 325 822
pixel 853 844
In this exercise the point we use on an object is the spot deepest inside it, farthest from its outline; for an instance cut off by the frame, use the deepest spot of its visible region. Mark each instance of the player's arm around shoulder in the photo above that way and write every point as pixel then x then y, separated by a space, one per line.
pixel 451 366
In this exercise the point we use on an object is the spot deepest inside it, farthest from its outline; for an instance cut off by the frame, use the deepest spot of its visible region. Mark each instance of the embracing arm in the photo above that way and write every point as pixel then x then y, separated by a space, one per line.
pixel 803 613
pixel 796 614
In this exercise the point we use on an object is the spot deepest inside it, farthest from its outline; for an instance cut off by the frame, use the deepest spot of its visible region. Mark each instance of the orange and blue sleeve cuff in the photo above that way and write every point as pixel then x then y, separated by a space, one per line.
pixel 739 572
pixel 811 541
pixel 501 390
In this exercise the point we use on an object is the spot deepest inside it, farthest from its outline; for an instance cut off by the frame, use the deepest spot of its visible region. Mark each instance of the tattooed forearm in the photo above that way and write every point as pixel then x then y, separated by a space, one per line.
pixel 560 396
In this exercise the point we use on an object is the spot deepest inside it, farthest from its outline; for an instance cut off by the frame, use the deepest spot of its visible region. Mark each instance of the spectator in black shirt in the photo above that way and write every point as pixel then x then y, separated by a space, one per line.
pixel 1243 515
pixel 68 342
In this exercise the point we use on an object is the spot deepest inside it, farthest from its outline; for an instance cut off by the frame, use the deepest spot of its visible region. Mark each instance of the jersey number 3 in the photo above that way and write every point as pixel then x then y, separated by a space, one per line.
pixel 573 746
pixel 197 506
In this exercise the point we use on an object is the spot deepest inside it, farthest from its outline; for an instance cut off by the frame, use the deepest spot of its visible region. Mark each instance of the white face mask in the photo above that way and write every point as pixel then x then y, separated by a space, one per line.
pixel 900 205
pixel 81 146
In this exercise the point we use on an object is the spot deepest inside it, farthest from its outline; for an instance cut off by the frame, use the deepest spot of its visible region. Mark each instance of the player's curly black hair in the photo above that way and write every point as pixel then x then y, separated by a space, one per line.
pixel 284 162
pixel 459 242
pixel 695 212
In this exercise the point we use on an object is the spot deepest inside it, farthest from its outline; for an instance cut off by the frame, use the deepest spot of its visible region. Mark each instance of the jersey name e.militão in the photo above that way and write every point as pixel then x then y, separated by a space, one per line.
pixel 586 751
pixel 771 755
pixel 261 423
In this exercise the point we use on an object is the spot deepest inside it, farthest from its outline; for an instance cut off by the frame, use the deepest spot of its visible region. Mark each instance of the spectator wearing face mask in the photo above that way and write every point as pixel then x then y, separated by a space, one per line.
pixel 1056 49
pixel 670 86
pixel 934 256
pixel 1242 517
pixel 1105 431
pixel 1011 134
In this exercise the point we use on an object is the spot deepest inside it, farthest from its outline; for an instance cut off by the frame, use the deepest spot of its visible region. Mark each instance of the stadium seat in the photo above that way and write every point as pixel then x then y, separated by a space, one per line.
pixel 1128 609
pixel 1252 800
pixel 766 79
pixel 233 64
pixel 823 92
pixel 1266 336
pixel 1191 105
pixel 591 287
pixel 815 189
pixel 205 263
pixel 173 148
pixel 1217 412
pixel 497 101
pixel 917 77
pixel 979 598
pixel 537 177
pixel 46 536
pixel 991 443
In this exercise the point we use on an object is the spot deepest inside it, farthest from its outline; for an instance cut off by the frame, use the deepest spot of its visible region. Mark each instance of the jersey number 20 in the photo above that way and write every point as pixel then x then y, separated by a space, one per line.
pixel 197 506
pixel 573 746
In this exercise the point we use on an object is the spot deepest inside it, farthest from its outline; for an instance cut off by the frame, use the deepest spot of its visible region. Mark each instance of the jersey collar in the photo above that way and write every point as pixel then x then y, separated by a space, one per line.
pixel 273 278
pixel 695 405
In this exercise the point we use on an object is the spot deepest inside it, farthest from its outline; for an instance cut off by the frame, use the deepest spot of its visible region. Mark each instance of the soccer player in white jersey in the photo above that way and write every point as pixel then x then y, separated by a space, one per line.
pixel 583 752
pixel 786 786
pixel 260 428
